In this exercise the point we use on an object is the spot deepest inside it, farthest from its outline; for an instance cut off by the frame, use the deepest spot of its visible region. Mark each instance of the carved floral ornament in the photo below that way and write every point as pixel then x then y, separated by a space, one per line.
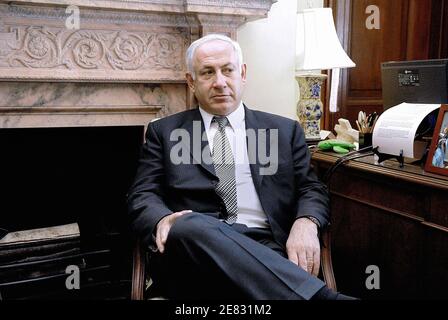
pixel 43 47
pixel 150 46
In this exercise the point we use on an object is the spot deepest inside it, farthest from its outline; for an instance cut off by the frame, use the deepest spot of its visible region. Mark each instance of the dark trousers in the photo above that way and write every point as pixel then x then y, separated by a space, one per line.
pixel 205 258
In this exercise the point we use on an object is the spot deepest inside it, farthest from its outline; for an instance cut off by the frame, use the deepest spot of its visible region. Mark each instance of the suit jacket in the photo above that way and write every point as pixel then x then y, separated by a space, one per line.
pixel 161 187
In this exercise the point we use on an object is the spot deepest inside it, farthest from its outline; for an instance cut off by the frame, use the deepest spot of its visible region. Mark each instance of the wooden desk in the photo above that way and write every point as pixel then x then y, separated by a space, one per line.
pixel 391 217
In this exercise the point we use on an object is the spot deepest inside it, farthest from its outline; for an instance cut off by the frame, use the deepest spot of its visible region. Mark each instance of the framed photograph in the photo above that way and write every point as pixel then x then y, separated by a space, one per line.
pixel 437 161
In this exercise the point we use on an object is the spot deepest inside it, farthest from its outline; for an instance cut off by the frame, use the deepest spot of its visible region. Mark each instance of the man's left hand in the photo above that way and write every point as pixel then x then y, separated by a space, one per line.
pixel 303 246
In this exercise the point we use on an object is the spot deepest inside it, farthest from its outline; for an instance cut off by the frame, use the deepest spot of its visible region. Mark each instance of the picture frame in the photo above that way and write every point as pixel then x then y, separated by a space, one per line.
pixel 437 161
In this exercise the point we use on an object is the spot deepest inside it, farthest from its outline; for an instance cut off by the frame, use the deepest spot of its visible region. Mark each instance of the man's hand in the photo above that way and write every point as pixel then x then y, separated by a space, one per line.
pixel 303 247
pixel 164 226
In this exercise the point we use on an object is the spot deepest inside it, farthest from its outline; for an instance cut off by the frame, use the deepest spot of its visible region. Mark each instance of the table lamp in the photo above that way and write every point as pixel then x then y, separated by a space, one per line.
pixel 318 48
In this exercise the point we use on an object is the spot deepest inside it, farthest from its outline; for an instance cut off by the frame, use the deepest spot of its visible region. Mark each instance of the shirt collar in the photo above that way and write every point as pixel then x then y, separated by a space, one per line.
pixel 236 118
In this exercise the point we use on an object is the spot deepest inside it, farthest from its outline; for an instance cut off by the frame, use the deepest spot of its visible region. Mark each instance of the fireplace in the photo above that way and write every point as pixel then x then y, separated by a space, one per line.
pixel 59 176
pixel 56 176
pixel 74 105
pixel 69 156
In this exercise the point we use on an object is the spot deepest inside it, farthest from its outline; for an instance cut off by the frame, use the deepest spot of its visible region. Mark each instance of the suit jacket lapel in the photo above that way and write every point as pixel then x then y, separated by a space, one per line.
pixel 200 152
pixel 255 124
pixel 194 126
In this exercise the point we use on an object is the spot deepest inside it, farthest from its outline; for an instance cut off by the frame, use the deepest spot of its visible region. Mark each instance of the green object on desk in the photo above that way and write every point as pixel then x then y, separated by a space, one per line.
pixel 338 149
pixel 337 146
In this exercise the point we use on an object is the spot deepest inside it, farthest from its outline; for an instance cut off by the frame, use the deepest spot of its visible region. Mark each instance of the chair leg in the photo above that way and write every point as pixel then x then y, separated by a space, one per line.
pixel 138 272
pixel 326 263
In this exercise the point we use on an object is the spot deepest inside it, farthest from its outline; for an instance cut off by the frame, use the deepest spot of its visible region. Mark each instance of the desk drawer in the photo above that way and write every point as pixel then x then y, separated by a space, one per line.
pixel 387 194
pixel 439 208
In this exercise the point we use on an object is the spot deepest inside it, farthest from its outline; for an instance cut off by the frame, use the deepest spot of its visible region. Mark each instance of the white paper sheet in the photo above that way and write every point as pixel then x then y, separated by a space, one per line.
pixel 396 127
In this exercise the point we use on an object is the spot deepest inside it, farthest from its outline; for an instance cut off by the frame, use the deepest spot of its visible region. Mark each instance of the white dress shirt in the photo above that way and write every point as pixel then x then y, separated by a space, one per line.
pixel 250 211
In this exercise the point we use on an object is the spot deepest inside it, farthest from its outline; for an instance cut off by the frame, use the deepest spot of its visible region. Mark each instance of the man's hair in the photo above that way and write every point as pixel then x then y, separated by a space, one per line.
pixel 211 37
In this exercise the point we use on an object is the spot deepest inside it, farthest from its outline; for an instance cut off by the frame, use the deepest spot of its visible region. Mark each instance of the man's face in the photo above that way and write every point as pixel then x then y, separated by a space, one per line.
pixel 219 82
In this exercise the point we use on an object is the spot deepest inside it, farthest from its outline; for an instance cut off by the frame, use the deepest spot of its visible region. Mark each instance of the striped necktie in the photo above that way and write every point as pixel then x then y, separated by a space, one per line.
pixel 225 169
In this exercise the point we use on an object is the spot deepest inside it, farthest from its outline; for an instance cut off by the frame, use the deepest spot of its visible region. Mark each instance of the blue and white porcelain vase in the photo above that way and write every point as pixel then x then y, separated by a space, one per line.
pixel 310 106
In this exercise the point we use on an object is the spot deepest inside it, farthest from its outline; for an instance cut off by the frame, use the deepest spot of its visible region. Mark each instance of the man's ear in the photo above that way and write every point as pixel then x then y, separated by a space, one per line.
pixel 243 72
pixel 190 81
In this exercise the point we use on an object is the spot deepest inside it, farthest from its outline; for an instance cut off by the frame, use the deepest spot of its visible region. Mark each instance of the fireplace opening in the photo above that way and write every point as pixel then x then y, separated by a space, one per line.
pixel 58 176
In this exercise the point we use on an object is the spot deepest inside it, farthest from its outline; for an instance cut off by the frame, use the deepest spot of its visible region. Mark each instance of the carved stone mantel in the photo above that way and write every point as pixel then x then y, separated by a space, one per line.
pixel 123 66
pixel 254 8
pixel 118 41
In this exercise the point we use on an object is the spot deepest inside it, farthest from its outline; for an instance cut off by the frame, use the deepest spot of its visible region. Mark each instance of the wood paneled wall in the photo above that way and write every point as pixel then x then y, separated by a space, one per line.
pixel 409 30
pixel 439 29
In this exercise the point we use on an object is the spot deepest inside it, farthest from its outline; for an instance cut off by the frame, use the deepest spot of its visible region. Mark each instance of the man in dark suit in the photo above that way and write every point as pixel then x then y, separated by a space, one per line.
pixel 224 196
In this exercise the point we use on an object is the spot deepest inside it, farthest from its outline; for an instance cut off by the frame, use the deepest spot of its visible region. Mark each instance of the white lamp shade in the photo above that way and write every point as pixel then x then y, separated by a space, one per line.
pixel 318 46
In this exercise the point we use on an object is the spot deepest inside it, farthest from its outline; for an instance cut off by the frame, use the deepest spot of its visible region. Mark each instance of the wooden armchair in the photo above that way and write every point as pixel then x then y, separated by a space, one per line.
pixel 139 271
